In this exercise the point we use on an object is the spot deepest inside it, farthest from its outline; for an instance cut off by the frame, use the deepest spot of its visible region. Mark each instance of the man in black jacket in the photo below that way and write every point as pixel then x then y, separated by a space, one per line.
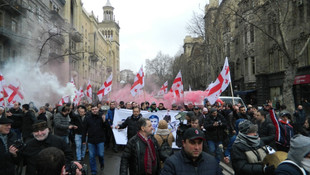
pixel 16 114
pixel 77 120
pixel 7 151
pixel 131 123
pixel 95 126
pixel 215 126
pixel 266 129
pixel 191 159
pixel 141 154
pixel 42 139
pixel 28 119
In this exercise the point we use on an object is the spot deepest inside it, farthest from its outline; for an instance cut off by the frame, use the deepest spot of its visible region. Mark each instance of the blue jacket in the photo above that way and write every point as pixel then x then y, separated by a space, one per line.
pixel 110 116
pixel 180 164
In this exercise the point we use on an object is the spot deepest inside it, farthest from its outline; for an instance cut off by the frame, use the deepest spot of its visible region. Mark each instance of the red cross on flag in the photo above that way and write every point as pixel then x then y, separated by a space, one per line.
pixel 177 86
pixel 164 89
pixel 105 88
pixel 138 83
pixel 78 97
pixel 89 92
pixel 215 89
pixel 64 99
pixel 14 92
pixel 2 91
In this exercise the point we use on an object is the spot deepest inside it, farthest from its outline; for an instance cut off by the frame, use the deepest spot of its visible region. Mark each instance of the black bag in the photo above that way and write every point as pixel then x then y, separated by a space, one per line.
pixel 165 149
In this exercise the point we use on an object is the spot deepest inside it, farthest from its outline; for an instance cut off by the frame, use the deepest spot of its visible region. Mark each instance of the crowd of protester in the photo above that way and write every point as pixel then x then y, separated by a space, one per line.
pixel 241 136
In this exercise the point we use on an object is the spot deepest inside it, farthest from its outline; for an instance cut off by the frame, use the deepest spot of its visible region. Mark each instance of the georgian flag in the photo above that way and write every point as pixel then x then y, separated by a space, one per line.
pixel 105 88
pixel 138 84
pixel 164 89
pixel 89 92
pixel 64 99
pixel 78 97
pixel 215 89
pixel 14 92
pixel 2 91
pixel 177 86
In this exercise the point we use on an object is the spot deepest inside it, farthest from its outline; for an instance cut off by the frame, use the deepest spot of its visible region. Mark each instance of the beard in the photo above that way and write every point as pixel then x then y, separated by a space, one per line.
pixel 41 137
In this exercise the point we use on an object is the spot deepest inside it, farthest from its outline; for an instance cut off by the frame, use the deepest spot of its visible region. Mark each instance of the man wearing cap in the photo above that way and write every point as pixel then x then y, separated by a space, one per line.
pixel 42 139
pixel 7 151
pixel 153 107
pixel 248 152
pixel 298 157
pixel 191 159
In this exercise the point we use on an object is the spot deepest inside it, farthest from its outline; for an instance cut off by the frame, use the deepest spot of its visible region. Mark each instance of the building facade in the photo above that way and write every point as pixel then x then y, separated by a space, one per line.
pixel 249 33
pixel 62 38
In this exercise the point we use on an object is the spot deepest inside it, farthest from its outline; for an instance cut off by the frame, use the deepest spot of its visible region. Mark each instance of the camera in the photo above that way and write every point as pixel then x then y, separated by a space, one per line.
pixel 19 144
pixel 71 168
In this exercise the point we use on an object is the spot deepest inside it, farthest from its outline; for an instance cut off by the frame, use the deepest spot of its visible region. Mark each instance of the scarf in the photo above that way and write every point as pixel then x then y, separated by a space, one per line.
pixel 249 141
pixel 4 139
pixel 150 155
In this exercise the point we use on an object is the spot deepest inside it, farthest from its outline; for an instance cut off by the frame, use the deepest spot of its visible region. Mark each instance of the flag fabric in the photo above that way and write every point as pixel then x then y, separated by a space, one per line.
pixel 78 97
pixel 2 92
pixel 89 92
pixel 215 89
pixel 105 88
pixel 138 84
pixel 164 89
pixel 64 99
pixel 14 92
pixel 177 86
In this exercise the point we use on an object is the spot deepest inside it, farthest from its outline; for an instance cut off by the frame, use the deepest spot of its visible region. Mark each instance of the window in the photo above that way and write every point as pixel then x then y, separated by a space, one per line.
pixel 245 36
pixel 301 13
pixel 14 26
pixel 252 33
pixel 1 18
pixel 246 67
pixel 253 65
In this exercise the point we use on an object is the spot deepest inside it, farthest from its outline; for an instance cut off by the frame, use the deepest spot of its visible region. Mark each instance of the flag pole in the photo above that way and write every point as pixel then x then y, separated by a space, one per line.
pixel 232 93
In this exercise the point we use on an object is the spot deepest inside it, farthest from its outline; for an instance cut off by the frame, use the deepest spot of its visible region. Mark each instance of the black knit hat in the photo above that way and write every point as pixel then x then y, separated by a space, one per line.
pixel 4 120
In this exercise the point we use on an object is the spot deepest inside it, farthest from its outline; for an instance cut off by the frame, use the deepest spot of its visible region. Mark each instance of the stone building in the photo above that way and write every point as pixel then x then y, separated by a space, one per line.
pixel 248 32
pixel 62 38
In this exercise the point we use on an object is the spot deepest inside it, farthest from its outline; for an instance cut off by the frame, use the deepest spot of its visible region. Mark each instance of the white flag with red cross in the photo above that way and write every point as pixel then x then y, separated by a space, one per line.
pixel 2 91
pixel 215 89
pixel 105 88
pixel 177 86
pixel 14 92
pixel 138 83
pixel 164 89
pixel 89 92
pixel 78 97
pixel 64 99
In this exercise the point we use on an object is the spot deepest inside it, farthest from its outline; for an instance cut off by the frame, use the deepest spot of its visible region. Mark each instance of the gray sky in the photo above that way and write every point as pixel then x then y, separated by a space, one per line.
pixel 148 26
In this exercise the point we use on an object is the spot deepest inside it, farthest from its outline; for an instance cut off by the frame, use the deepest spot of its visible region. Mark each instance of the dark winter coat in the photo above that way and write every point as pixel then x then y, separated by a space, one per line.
pixel 7 161
pixel 17 117
pixel 180 164
pixel 61 124
pixel 133 157
pixel 215 133
pixel 132 124
pixel 288 167
pixel 78 121
pixel 33 147
pixel 95 128
pixel 267 133
pixel 240 162
pixel 28 119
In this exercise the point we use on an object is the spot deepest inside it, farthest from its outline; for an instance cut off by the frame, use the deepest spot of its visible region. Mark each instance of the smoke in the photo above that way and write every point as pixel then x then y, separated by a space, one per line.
pixel 37 86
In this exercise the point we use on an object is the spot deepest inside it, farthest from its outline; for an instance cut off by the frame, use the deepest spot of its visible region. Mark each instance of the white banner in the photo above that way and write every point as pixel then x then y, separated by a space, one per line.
pixel 120 116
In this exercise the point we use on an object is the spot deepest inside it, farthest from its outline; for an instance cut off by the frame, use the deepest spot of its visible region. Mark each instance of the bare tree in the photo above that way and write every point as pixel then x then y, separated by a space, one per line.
pixel 196 26
pixel 279 15
pixel 160 66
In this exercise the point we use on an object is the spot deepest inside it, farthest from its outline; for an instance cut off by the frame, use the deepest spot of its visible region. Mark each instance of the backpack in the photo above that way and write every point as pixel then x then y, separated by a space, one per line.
pixel 165 149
